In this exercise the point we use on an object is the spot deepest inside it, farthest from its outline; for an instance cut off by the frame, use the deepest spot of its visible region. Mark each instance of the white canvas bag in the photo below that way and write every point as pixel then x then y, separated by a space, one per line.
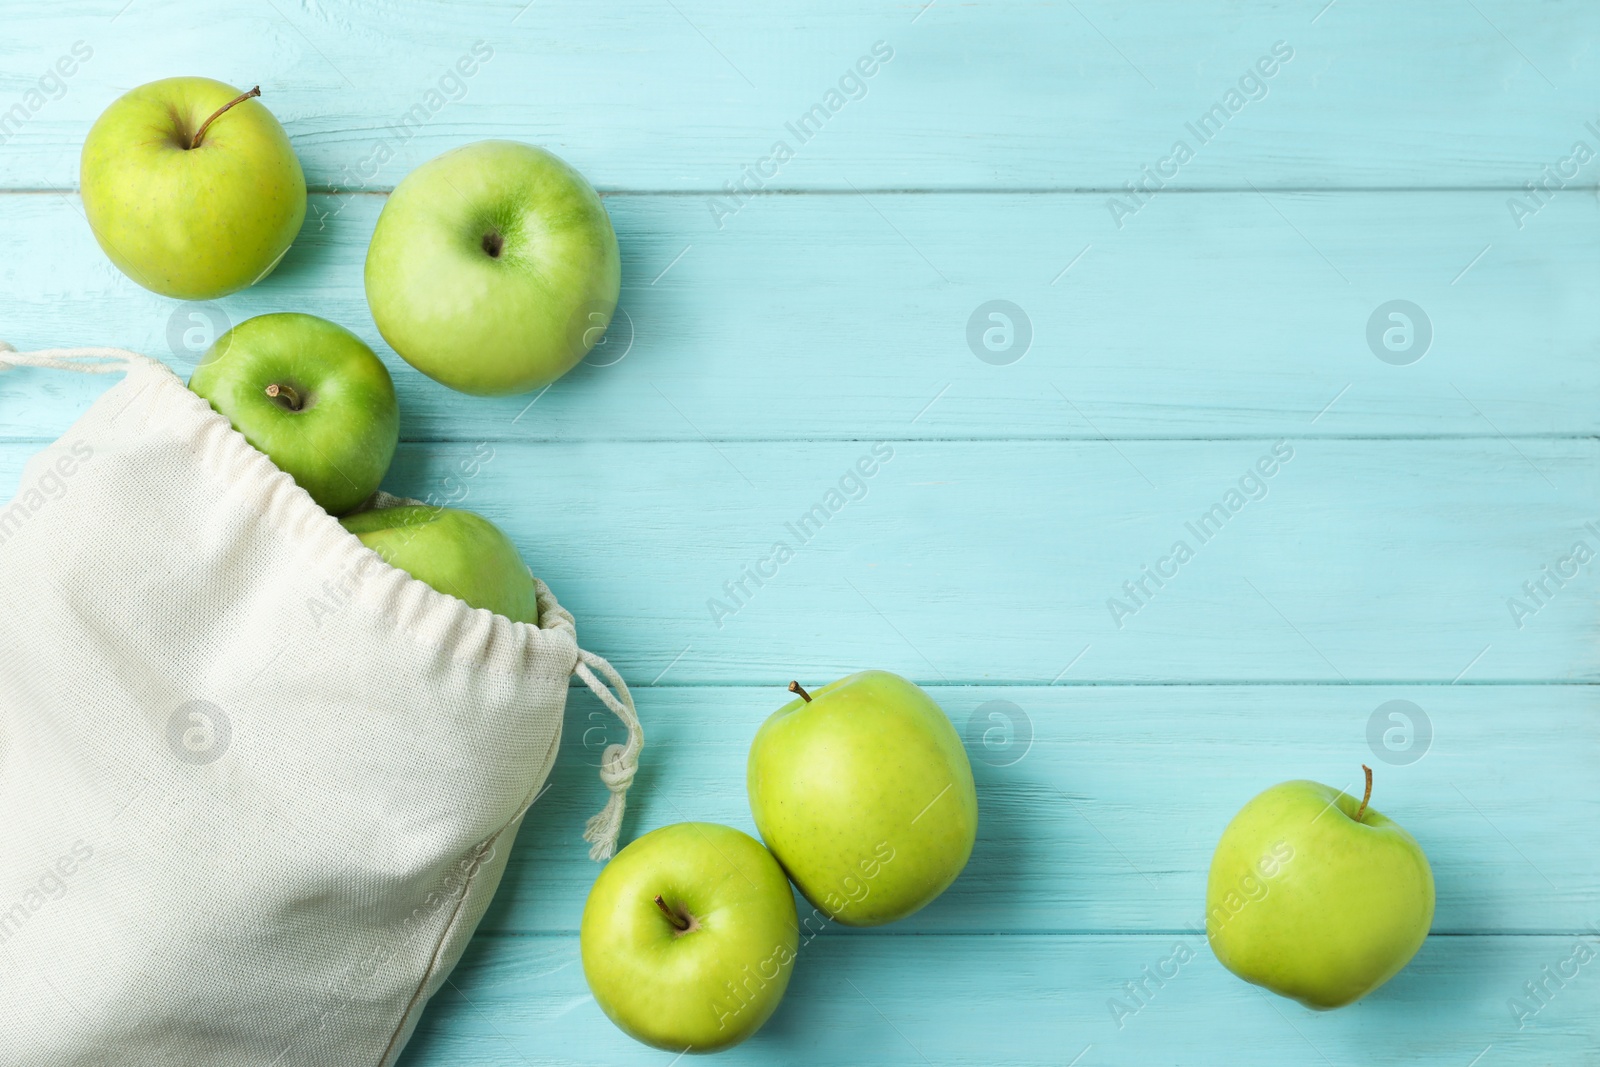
pixel 257 787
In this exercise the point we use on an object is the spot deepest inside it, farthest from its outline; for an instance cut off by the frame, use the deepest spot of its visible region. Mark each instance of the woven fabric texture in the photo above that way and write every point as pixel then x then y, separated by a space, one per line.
pixel 257 787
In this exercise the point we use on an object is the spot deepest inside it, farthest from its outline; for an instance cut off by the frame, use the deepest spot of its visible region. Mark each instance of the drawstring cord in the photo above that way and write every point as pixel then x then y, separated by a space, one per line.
pixel 619 763
pixel 113 360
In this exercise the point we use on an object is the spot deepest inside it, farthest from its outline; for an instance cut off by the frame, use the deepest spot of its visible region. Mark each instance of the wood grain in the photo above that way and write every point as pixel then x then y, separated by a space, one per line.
pixel 685 95
pixel 847 317
pixel 963 561
pixel 1005 561
pixel 912 1001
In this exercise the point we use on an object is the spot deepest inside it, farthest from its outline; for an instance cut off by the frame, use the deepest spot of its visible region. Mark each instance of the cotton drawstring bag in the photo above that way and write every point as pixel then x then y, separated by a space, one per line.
pixel 257 786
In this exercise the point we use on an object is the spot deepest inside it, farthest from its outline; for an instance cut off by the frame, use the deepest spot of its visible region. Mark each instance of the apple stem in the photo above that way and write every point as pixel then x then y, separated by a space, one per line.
pixel 678 922
pixel 1362 810
pixel 290 398
pixel 795 687
pixel 217 114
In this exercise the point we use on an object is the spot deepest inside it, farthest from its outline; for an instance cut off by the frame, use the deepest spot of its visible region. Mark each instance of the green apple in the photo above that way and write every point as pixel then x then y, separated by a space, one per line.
pixel 689 937
pixel 493 268
pixel 191 187
pixel 456 552
pixel 1316 896
pixel 312 396
pixel 864 793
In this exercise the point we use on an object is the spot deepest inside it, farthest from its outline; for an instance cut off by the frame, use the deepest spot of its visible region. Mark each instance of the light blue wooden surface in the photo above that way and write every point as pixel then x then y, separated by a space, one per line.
pixel 770 346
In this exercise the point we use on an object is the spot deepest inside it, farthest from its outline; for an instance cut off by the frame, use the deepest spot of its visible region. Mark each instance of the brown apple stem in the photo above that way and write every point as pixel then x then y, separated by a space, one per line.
pixel 217 114
pixel 1362 810
pixel 678 921
pixel 795 687
pixel 290 397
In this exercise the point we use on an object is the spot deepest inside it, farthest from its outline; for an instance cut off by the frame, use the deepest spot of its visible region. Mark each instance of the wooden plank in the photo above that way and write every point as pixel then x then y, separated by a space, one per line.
pixel 687 95
pixel 1002 1001
pixel 1391 560
pixel 843 317
pixel 1100 806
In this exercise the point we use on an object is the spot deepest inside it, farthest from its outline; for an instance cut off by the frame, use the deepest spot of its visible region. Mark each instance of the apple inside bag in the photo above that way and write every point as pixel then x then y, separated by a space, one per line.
pixel 259 785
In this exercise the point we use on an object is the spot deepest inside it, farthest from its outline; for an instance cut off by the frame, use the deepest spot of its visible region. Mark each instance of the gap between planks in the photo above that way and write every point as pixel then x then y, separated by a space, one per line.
pixel 880 931
pixel 982 190
pixel 1068 438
